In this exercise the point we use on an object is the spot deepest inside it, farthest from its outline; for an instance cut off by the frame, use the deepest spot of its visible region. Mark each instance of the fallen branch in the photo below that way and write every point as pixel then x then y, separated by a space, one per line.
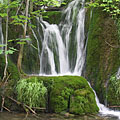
pixel 14 100
pixel 6 109
pixel 38 108
pixel 24 105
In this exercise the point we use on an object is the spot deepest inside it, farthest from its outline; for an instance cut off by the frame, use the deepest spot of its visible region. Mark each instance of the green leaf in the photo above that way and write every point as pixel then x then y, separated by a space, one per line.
pixel 3 14
pixel 9 52
pixel 10 40
pixel 1 51
pixel 21 43
pixel 13 49
pixel 2 45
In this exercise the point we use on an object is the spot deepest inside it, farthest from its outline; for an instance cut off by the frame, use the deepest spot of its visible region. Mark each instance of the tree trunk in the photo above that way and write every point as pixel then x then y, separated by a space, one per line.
pixel 19 62
pixel 6 62
pixel 6 56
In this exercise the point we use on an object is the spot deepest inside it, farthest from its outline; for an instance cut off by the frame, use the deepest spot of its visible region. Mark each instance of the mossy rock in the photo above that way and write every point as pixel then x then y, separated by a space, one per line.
pixel 53 17
pixel 11 70
pixel 68 93
pixel 102 60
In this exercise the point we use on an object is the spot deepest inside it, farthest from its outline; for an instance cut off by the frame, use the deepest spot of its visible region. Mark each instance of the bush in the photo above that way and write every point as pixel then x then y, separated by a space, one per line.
pixel 31 93
pixel 114 91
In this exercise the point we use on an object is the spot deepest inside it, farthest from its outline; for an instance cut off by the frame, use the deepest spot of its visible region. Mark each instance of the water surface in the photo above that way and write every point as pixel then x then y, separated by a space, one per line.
pixel 42 116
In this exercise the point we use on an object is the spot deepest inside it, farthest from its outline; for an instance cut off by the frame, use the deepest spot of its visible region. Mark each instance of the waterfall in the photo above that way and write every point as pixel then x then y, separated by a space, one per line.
pixel 1 35
pixel 63 47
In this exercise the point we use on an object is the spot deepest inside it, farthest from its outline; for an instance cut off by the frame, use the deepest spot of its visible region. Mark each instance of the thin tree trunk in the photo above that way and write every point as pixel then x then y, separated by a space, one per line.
pixel 6 62
pixel 6 38
pixel 19 62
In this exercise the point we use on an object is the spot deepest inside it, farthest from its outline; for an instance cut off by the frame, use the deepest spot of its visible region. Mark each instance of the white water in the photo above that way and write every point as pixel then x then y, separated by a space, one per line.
pixel 55 55
pixel 103 110
pixel 1 34
pixel 118 74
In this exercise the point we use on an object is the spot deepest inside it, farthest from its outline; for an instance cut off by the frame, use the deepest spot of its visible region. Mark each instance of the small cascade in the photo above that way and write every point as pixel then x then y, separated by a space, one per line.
pixel 1 35
pixel 103 110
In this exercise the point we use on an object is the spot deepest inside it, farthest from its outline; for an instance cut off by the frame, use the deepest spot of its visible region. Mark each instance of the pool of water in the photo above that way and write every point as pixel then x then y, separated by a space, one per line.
pixel 42 116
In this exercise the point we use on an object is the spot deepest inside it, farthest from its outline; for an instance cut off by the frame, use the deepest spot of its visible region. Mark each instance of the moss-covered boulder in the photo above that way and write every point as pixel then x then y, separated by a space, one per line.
pixel 68 93
pixel 102 52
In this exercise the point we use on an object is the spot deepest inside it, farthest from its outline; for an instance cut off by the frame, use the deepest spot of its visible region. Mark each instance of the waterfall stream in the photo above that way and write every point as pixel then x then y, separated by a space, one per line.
pixel 64 48
pixel 103 110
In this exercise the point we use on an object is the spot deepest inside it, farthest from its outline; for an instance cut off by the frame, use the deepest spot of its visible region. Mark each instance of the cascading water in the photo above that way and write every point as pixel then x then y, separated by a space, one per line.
pixel 103 110
pixel 1 35
pixel 63 47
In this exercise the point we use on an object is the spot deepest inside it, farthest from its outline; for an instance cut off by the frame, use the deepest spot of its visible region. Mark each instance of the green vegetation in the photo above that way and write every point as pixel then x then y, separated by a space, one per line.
pixel 8 89
pixel 65 93
pixel 110 6
pixel 53 17
pixel 31 93
pixel 12 69
pixel 114 91
pixel 102 51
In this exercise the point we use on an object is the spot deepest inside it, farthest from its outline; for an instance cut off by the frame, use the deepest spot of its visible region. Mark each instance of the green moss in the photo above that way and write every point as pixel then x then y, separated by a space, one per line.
pixel 102 59
pixel 14 76
pixel 53 17
pixel 11 70
pixel 113 96
pixel 68 93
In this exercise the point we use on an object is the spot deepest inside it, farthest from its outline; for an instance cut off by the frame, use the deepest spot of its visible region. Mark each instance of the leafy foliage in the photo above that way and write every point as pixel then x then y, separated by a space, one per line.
pixel 110 6
pixel 115 83
pixel 31 93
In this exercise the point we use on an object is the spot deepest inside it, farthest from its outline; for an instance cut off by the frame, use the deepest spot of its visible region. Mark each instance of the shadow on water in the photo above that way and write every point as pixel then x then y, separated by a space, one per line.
pixel 42 116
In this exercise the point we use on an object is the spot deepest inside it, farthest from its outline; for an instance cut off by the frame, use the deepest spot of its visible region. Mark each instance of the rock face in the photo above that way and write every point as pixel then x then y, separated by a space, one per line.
pixel 68 93
pixel 102 53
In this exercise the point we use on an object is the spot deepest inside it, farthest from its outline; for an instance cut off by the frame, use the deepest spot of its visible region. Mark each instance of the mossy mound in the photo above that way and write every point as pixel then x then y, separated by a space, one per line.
pixel 68 93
